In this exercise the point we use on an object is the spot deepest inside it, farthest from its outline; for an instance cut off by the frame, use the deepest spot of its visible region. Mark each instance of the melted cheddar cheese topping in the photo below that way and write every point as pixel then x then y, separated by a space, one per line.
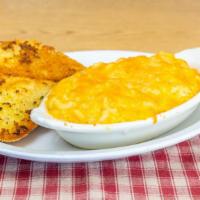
pixel 129 89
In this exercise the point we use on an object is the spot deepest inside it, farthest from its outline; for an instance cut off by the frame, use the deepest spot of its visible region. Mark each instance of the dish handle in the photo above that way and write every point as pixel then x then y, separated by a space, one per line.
pixel 192 56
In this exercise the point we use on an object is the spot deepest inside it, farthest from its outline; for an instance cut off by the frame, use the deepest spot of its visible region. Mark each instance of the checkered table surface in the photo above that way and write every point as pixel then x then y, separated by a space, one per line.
pixel 171 173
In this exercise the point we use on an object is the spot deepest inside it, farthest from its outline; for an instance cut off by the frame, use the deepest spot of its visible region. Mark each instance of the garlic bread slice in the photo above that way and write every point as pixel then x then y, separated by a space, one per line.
pixel 18 96
pixel 32 59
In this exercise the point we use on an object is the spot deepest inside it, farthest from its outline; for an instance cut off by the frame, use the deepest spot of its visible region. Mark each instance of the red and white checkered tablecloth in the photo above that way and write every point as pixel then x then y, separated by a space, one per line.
pixel 171 173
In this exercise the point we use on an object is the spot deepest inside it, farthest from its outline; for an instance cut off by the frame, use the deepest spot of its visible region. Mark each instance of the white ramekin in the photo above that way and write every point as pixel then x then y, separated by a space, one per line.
pixel 118 134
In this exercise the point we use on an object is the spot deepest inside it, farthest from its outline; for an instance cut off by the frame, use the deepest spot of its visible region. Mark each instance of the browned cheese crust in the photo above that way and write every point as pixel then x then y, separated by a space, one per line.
pixel 32 59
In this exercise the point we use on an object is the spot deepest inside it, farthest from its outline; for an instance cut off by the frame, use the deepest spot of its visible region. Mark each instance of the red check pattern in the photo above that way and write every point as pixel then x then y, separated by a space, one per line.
pixel 171 173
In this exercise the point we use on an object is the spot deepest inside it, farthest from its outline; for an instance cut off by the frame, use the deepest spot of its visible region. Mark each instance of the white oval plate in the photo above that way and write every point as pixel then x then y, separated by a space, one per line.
pixel 46 146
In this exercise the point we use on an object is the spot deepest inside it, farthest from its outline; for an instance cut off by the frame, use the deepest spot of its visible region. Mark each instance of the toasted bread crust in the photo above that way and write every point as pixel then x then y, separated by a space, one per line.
pixel 18 96
pixel 34 60
pixel 19 133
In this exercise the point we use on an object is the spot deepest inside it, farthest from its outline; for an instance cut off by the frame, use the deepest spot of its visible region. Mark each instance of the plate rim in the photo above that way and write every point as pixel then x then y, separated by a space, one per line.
pixel 100 154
